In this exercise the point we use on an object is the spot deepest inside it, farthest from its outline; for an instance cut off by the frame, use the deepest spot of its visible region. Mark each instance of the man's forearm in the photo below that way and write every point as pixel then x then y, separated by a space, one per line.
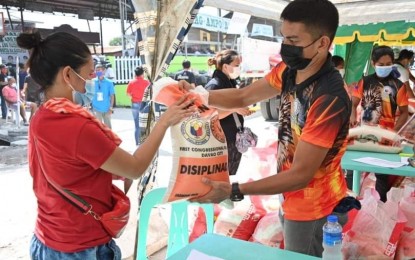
pixel 401 121
pixel 112 101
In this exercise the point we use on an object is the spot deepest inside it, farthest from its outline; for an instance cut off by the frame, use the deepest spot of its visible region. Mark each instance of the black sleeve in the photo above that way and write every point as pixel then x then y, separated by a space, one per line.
pixel 192 78
pixel 3 81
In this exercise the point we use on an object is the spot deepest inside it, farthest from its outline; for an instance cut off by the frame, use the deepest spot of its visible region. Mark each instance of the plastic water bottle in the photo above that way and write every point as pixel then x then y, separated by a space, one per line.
pixel 332 239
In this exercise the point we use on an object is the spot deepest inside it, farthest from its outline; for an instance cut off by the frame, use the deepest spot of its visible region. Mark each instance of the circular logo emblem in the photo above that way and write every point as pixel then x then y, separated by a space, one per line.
pixel 217 130
pixel 196 131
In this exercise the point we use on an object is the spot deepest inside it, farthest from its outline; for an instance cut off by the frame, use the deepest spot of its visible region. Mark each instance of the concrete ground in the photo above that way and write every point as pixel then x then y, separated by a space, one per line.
pixel 19 204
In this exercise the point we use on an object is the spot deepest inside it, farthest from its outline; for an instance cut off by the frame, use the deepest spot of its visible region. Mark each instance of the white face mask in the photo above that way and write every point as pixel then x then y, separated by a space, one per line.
pixel 383 71
pixel 13 85
pixel 84 80
pixel 341 71
pixel 235 73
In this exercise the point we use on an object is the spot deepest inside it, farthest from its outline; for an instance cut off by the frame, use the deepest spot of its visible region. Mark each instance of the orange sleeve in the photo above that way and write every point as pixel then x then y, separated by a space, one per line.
pixel 274 77
pixel 402 97
pixel 357 91
pixel 325 119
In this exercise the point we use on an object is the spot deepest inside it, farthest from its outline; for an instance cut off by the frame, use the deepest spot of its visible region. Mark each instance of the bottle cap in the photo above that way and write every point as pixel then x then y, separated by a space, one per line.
pixel 332 218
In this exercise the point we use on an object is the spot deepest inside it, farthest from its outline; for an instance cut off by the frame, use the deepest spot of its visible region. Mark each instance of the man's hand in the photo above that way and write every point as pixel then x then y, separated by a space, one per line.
pixel 219 192
pixel 244 111
pixel 353 121
pixel 110 111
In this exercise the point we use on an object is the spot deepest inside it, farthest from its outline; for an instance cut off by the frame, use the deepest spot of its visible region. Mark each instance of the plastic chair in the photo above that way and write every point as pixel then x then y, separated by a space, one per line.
pixel 13 113
pixel 178 232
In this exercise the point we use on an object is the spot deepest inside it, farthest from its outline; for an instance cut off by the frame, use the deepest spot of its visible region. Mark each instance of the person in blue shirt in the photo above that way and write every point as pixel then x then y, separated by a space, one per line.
pixel 85 99
pixel 103 100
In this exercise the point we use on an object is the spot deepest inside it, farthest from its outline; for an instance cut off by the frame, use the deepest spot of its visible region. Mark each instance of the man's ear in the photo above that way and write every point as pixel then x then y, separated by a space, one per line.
pixel 325 42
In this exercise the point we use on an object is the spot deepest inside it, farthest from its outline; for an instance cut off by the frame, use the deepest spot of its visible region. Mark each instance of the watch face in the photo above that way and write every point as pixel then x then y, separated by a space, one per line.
pixel 237 197
pixel 236 194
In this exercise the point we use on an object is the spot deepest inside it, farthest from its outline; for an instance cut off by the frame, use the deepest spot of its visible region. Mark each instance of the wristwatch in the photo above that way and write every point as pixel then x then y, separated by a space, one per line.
pixel 236 194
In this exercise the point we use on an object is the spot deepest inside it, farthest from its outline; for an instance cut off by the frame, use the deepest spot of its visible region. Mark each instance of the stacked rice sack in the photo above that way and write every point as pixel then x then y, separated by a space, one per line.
pixel 374 139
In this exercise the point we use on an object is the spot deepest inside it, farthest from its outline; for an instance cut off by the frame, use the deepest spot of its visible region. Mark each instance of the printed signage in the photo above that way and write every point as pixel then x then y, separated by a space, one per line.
pixel 262 30
pixel 211 23
pixel 9 49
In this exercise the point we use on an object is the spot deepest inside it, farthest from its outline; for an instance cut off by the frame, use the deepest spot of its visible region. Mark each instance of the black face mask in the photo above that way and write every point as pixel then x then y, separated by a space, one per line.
pixel 293 56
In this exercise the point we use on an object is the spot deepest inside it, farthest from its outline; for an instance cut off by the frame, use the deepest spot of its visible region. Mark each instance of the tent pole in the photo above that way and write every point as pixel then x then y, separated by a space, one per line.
pixel 10 19
pixel 93 45
pixel 122 27
pixel 21 18
pixel 100 30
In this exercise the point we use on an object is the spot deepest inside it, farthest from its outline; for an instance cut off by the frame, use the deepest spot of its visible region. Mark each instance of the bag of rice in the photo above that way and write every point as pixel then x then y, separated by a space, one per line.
pixel 374 139
pixel 198 145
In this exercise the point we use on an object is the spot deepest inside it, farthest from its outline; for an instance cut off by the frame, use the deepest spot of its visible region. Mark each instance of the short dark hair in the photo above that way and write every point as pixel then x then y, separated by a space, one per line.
pixel 381 51
pixel 337 60
pixel 50 54
pixel 319 16
pixel 405 54
pixel 2 66
pixel 139 71
pixel 186 64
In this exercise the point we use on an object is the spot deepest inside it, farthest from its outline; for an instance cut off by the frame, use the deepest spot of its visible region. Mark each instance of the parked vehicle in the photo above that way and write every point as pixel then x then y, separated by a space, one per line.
pixel 258 58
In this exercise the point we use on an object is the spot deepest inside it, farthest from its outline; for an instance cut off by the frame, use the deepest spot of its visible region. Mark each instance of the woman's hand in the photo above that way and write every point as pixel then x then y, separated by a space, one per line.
pixel 178 111
pixel 244 111
pixel 184 85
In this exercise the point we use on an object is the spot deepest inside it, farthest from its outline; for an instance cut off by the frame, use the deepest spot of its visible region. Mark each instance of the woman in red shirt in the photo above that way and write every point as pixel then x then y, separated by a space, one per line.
pixel 69 146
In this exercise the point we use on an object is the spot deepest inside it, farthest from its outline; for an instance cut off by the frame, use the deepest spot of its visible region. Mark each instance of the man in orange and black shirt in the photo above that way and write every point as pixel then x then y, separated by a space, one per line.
pixel 313 126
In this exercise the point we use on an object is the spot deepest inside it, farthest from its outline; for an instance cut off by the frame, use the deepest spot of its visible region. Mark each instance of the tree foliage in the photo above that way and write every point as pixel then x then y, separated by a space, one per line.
pixel 115 41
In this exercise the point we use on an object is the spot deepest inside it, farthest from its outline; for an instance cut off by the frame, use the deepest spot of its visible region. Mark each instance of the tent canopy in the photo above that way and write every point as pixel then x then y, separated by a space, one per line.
pixel 350 11
pixel 398 31
pixel 355 43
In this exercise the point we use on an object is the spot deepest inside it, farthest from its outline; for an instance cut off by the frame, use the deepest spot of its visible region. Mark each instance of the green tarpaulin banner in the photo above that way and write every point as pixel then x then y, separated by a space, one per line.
pixel 355 43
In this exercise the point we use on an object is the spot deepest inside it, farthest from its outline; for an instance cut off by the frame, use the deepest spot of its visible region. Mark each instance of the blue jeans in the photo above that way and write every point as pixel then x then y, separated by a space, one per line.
pixel 135 108
pixel 39 251
pixel 3 107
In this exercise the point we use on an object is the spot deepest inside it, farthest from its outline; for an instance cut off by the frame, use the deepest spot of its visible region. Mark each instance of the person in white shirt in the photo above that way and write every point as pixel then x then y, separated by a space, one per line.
pixel 109 72
pixel 402 64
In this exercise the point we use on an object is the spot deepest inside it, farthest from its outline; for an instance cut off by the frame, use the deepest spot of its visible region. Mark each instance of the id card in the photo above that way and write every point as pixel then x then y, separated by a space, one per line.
pixel 100 96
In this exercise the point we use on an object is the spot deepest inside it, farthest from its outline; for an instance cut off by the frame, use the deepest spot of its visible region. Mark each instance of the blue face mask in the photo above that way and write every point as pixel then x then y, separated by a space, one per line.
pixel 383 71
pixel 99 74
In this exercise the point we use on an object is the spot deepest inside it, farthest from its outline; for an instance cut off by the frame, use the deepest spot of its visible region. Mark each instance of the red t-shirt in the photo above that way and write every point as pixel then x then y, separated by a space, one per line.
pixel 136 89
pixel 71 149
pixel 10 94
